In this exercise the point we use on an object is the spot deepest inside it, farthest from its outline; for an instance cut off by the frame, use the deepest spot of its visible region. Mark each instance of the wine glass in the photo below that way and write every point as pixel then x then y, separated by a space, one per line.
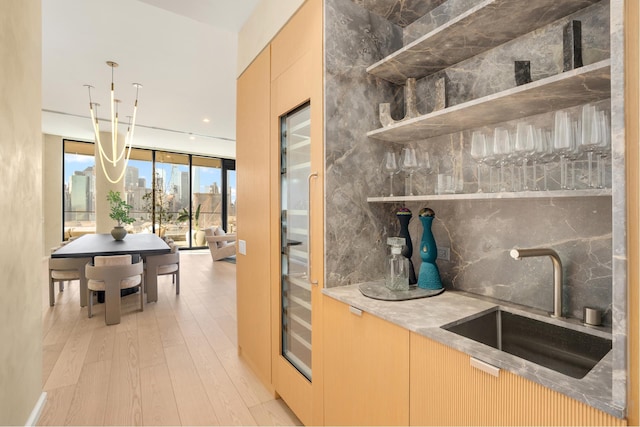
pixel 563 142
pixel 524 147
pixel 604 148
pixel 409 164
pixel 543 153
pixel 390 166
pixel 424 164
pixel 478 153
pixel 502 150
pixel 591 136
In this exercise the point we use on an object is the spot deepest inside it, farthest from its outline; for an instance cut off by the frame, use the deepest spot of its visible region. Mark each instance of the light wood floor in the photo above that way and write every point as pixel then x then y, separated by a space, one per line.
pixel 176 363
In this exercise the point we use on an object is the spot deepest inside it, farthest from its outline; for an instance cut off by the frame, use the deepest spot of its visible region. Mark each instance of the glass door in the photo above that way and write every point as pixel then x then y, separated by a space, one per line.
pixel 295 168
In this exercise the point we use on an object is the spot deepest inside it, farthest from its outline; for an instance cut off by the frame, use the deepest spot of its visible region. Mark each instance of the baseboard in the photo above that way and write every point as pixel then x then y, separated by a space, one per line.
pixel 37 410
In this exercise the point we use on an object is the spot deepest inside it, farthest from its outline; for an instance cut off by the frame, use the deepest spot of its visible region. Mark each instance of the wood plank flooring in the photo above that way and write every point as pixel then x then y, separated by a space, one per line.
pixel 175 363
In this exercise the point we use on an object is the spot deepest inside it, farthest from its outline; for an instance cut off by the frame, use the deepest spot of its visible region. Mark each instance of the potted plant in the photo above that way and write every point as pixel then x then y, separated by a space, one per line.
pixel 196 234
pixel 119 212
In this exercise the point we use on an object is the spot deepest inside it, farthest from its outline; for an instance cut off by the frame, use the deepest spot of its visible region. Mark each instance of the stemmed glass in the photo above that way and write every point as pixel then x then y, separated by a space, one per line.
pixel 390 166
pixel 524 147
pixel 563 143
pixel 424 164
pixel 409 164
pixel 543 153
pixel 502 150
pixel 490 159
pixel 591 136
pixel 604 148
pixel 479 153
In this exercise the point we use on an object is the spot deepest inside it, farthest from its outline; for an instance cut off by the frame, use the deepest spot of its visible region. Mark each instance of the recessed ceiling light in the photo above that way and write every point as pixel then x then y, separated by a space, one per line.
pixel 191 137
pixel 206 120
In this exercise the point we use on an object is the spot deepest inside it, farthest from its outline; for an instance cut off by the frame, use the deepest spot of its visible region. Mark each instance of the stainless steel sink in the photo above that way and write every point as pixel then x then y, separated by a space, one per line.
pixel 564 350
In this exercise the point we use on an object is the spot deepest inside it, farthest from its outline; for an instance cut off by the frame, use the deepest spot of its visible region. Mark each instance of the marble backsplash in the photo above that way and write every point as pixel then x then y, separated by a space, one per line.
pixel 479 233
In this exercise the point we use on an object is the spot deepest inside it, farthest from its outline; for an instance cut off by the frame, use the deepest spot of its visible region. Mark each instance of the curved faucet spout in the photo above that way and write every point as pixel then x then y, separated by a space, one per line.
pixel 557 272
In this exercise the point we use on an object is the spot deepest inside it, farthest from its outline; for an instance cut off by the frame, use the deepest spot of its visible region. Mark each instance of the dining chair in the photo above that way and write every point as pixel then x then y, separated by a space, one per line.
pixel 166 264
pixel 111 274
pixel 65 270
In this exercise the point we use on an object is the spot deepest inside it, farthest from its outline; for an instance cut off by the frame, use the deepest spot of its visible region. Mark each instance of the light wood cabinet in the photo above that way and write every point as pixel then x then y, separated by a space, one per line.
pixel 366 368
pixel 285 76
pixel 446 390
pixel 378 373
pixel 252 150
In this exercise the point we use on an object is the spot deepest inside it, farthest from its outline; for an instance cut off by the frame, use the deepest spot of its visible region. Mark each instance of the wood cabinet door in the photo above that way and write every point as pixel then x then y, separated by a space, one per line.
pixel 366 368
pixel 252 153
pixel 446 390
pixel 296 314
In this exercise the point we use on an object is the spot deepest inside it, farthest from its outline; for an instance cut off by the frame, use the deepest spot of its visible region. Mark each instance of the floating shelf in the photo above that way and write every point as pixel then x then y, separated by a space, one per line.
pixel 606 192
pixel 485 26
pixel 580 86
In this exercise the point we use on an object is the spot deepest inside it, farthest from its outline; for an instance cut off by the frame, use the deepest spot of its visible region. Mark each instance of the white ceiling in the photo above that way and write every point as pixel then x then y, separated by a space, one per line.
pixel 182 52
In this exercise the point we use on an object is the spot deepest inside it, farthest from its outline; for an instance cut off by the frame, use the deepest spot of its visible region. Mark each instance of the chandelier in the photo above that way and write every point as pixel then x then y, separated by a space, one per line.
pixel 117 154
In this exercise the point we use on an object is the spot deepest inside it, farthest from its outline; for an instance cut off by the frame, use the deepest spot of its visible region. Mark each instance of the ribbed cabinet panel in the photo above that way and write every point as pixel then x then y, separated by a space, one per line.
pixel 446 390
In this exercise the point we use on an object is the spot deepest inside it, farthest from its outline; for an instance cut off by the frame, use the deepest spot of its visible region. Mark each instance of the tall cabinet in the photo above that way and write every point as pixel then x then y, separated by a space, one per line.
pixel 280 213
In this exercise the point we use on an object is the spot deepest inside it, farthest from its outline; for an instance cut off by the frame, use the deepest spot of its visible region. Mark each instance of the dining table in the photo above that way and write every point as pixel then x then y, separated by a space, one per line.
pixel 144 244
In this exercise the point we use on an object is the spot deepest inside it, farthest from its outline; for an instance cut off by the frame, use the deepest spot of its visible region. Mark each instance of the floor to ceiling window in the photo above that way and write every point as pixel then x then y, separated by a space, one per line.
pixel 78 199
pixel 230 223
pixel 206 193
pixel 137 186
pixel 171 189
pixel 172 194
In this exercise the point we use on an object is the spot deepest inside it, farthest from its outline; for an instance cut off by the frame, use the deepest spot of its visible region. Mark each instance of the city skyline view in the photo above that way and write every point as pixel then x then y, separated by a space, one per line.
pixel 179 187
pixel 78 162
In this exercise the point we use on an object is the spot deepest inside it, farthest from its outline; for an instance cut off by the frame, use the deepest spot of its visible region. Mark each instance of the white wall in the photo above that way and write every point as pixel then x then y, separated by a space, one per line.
pixel 21 286
pixel 264 23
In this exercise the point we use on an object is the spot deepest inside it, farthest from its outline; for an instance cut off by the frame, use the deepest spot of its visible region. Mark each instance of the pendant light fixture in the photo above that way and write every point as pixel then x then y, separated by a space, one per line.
pixel 117 154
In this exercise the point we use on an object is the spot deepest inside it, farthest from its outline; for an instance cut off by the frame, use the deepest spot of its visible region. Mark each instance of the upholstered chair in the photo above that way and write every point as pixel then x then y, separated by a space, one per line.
pixel 168 264
pixel 111 274
pixel 65 270
pixel 221 244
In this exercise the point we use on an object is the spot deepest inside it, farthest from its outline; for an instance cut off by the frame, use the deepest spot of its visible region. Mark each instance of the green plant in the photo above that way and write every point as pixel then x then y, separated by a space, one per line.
pixel 119 208
pixel 183 216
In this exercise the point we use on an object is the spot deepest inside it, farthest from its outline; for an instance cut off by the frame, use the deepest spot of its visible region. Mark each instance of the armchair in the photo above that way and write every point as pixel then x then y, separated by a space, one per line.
pixel 220 244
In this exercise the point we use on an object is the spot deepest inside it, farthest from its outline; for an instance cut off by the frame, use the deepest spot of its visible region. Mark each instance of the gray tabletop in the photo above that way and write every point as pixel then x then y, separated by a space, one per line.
pixel 91 245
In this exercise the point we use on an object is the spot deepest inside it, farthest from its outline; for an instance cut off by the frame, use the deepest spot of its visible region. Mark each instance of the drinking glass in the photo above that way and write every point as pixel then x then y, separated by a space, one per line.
pixel 478 153
pixel 390 166
pixel 543 153
pixel 502 151
pixel 524 147
pixel 591 137
pixel 409 164
pixel 424 165
pixel 563 142
pixel 490 159
pixel 604 148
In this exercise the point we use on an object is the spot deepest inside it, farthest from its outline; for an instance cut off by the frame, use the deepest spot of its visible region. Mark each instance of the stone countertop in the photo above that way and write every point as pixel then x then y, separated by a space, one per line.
pixel 426 316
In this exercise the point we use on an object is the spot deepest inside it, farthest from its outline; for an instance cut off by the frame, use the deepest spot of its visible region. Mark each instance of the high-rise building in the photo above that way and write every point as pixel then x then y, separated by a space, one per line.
pixel 80 196
pixel 131 177
pixel 184 187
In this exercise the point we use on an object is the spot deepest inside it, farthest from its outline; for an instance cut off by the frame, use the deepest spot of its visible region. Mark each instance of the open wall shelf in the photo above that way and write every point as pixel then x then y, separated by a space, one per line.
pixel 580 86
pixel 606 192
pixel 485 26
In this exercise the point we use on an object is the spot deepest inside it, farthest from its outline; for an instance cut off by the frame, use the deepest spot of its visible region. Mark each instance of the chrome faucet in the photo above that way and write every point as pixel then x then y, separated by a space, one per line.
pixel 557 273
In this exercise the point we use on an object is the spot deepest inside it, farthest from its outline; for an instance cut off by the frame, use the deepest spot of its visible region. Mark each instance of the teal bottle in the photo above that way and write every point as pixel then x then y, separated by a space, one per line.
pixel 429 276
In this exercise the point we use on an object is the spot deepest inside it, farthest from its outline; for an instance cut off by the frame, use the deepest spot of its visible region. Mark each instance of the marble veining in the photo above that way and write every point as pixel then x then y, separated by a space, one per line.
pixel 479 29
pixel 588 232
pixel 427 316
pixel 400 12
pixel 619 261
